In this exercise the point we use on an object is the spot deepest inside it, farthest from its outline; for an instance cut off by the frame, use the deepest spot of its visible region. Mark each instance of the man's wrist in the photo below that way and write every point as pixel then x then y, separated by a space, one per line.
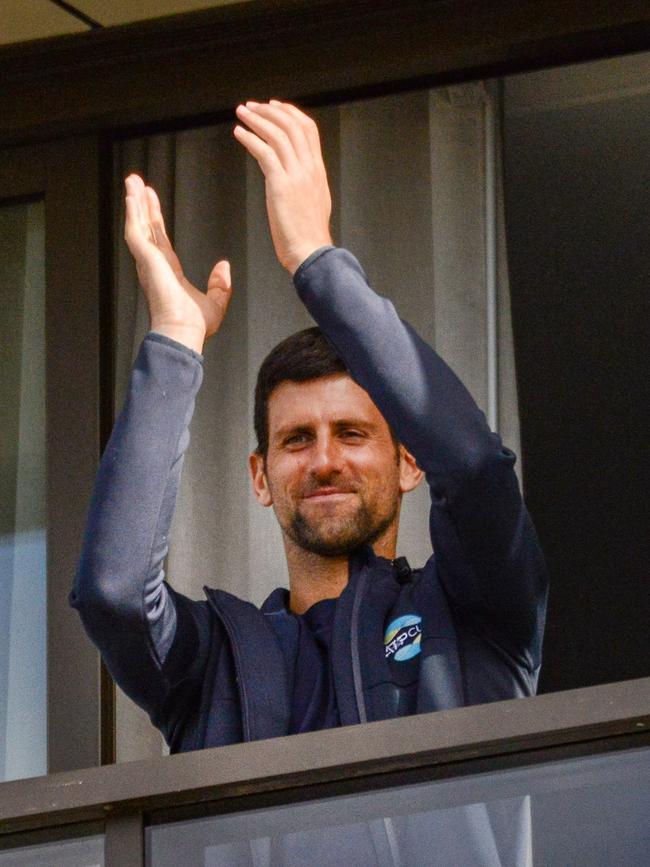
pixel 188 335
pixel 303 253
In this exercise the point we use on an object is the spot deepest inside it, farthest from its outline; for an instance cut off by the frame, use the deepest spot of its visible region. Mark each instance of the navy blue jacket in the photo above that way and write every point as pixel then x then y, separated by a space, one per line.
pixel 195 667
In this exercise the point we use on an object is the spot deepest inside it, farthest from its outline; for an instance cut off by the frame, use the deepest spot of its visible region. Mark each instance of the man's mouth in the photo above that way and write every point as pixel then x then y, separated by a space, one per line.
pixel 328 494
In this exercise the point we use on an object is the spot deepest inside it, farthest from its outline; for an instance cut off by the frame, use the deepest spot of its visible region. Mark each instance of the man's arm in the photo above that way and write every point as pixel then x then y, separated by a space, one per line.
pixel 125 607
pixel 128 611
pixel 486 547
pixel 487 551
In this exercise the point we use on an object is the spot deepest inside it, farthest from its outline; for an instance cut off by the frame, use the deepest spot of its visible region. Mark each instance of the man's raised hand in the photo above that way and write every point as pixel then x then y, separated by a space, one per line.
pixel 176 307
pixel 285 143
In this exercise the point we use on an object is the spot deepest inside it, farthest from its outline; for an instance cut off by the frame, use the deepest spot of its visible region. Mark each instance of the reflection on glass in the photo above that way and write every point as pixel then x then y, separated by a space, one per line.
pixel 88 852
pixel 23 746
pixel 591 811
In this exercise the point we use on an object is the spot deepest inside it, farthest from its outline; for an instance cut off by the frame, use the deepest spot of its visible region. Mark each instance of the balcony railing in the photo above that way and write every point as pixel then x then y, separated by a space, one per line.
pixel 516 782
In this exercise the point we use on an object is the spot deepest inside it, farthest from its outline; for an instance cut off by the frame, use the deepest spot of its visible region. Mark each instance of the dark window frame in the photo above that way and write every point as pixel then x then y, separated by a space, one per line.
pixel 73 258
pixel 171 73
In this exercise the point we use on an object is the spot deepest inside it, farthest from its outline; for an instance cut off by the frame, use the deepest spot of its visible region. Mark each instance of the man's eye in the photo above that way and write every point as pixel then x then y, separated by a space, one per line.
pixel 296 438
pixel 352 433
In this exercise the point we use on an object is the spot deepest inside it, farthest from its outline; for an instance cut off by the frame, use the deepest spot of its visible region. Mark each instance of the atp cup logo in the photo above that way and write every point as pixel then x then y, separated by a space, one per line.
pixel 403 638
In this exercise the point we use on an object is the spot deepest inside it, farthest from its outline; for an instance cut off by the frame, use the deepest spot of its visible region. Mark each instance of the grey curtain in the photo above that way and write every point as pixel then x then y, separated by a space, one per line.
pixel 407 174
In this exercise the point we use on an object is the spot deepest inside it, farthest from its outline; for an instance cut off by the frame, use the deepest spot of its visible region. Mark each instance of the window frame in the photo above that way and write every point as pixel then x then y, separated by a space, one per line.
pixel 125 80
pixel 72 257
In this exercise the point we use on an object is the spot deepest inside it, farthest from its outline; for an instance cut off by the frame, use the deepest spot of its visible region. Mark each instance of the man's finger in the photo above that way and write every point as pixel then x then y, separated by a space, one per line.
pixel 159 234
pixel 307 123
pixel 272 134
pixel 135 188
pixel 133 192
pixel 156 216
pixel 259 150
pixel 291 126
pixel 133 184
pixel 133 234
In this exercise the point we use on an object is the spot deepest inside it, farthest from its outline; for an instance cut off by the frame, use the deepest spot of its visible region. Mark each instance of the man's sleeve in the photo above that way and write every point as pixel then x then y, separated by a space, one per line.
pixel 487 552
pixel 130 614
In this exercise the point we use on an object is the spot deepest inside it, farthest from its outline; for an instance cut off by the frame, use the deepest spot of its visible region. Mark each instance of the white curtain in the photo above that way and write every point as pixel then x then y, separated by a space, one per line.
pixel 407 174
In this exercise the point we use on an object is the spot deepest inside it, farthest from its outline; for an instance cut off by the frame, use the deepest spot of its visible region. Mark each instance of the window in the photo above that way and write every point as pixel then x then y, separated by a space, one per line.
pixel 49 452
pixel 441 50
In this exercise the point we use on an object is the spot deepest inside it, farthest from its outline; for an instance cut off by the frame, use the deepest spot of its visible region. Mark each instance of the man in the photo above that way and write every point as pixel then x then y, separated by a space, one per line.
pixel 349 417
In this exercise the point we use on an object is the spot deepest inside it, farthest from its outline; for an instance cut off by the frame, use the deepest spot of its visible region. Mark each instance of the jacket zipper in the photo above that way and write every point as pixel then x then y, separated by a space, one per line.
pixel 354 647
pixel 403 574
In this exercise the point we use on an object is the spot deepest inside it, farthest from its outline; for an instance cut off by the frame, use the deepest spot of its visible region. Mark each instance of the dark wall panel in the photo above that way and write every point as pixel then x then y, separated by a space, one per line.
pixel 578 227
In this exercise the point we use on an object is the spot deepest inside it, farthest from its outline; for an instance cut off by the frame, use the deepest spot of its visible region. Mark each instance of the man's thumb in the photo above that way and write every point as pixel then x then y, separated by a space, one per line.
pixel 220 277
pixel 219 281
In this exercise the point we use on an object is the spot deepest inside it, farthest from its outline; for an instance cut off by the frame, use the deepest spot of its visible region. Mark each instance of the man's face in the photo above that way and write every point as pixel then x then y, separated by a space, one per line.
pixel 332 471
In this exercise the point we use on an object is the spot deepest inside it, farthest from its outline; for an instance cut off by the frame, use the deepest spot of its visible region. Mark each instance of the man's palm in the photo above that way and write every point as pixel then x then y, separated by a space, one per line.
pixel 175 305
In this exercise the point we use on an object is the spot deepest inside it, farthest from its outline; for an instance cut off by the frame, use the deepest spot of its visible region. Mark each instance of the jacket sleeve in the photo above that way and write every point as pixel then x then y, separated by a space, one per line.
pixel 126 607
pixel 487 552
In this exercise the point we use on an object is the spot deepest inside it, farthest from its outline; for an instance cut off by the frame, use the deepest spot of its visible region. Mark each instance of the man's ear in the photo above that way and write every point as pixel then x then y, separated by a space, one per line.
pixel 410 475
pixel 258 477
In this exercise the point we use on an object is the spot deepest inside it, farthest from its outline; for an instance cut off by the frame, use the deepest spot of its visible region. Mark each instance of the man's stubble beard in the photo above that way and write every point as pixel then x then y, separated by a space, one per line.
pixel 352 531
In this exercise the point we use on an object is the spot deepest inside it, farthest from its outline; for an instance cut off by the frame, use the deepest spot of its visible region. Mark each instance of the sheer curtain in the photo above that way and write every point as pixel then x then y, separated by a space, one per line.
pixel 407 174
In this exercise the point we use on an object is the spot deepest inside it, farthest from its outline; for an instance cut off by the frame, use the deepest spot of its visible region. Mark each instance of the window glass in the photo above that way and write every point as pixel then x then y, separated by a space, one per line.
pixel 587 811
pixel 23 717
pixel 88 852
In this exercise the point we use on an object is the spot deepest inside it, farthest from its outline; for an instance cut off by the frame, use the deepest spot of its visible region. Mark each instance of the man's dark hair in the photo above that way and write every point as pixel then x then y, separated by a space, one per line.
pixel 302 356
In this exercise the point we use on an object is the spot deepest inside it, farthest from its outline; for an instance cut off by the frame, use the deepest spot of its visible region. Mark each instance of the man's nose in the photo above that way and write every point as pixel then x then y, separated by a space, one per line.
pixel 326 456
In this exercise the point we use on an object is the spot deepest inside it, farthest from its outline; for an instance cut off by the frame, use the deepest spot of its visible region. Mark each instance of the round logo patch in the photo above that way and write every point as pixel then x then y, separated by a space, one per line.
pixel 403 637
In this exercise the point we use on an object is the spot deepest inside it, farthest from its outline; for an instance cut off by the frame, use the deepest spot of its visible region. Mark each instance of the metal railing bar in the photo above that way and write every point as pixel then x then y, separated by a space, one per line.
pixel 124 842
pixel 486 787
pixel 437 740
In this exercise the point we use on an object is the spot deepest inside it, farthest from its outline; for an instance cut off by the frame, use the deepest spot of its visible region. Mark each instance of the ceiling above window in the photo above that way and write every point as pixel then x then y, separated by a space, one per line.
pixel 24 20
